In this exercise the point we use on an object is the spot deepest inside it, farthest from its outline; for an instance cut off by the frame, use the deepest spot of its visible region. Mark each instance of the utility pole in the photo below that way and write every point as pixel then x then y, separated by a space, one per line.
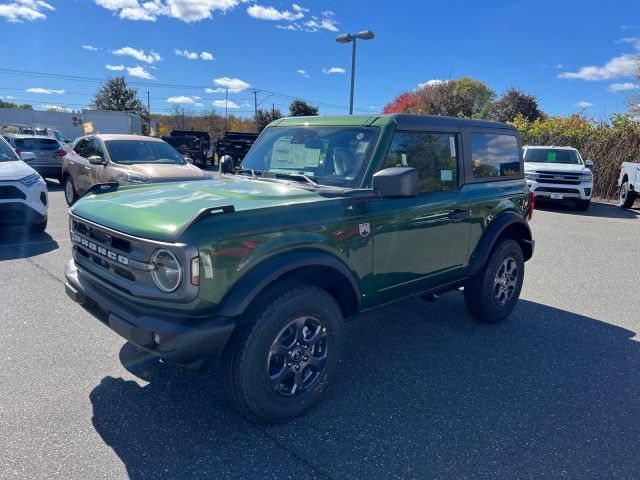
pixel 149 110
pixel 226 107
pixel 255 107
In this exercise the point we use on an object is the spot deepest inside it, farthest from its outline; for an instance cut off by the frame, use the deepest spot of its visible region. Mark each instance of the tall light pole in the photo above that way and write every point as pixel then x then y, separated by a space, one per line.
pixel 351 38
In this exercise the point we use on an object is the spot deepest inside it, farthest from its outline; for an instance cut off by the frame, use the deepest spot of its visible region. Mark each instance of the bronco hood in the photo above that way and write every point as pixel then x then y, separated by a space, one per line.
pixel 162 211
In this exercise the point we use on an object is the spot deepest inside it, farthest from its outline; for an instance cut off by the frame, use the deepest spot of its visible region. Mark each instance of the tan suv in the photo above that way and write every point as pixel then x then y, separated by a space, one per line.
pixel 124 159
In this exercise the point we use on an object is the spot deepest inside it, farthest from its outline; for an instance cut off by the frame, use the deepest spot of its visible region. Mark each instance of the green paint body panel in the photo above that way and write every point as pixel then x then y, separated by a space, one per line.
pixel 411 246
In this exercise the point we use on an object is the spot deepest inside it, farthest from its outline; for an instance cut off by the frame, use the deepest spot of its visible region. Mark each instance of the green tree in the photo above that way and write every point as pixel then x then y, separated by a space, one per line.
pixel 300 108
pixel 116 96
pixel 513 103
pixel 265 117
pixel 22 106
pixel 479 93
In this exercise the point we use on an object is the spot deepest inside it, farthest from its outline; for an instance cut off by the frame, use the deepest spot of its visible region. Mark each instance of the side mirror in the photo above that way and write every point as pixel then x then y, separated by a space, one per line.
pixel 396 182
pixel 96 160
pixel 226 164
pixel 27 156
pixel 588 163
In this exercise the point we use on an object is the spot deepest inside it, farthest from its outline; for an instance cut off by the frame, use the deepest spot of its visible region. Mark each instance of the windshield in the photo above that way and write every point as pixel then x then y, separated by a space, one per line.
pixel 6 152
pixel 142 151
pixel 334 156
pixel 553 155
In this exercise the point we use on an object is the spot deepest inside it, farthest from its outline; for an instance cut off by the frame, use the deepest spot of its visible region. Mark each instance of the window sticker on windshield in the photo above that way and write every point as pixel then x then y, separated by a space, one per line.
pixel 552 156
pixel 446 175
pixel 294 156
pixel 452 145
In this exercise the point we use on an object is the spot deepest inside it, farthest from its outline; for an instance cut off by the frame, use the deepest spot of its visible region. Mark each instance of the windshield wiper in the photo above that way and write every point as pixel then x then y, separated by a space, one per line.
pixel 253 172
pixel 300 177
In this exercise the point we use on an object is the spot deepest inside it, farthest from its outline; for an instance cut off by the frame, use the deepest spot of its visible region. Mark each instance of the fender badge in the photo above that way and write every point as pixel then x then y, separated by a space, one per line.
pixel 364 229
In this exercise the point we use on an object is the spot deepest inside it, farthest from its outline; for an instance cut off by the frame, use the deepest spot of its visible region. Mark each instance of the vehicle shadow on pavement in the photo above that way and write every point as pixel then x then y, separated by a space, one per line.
pixel 423 392
pixel 18 242
pixel 598 210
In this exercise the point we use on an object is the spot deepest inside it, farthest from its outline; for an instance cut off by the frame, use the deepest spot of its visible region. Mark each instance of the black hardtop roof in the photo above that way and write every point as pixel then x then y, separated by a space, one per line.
pixel 412 120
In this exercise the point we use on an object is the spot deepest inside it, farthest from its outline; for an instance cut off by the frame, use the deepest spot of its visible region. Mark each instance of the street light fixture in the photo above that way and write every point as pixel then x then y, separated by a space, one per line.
pixel 351 38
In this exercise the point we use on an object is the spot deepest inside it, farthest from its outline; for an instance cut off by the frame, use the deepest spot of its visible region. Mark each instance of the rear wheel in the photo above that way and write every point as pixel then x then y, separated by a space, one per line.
pixel 280 360
pixel 627 197
pixel 583 205
pixel 491 295
pixel 70 194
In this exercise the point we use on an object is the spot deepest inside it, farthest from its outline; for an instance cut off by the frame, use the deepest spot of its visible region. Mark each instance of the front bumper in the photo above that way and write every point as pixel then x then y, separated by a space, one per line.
pixel 185 341
pixel 551 191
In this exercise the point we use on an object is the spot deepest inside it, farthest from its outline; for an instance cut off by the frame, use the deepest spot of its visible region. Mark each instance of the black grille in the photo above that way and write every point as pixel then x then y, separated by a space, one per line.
pixel 101 237
pixel 10 192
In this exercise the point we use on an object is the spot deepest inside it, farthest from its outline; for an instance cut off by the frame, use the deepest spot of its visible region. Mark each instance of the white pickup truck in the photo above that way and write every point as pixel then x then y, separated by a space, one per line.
pixel 629 183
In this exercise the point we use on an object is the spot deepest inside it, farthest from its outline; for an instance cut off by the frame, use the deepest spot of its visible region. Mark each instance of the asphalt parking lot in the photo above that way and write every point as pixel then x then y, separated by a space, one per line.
pixel 423 391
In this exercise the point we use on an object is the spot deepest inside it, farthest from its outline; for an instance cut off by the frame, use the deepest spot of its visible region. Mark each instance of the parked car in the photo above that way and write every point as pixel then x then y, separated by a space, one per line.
pixel 191 144
pixel 48 151
pixel 327 217
pixel 125 160
pixel 23 192
pixel 559 174
pixel 629 183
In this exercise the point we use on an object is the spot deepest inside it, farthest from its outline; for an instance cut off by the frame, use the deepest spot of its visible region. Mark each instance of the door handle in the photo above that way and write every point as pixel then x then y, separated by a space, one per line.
pixel 459 214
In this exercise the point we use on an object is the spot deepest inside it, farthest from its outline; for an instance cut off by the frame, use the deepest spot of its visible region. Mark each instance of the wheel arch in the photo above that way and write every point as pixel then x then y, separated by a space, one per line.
pixel 507 225
pixel 308 266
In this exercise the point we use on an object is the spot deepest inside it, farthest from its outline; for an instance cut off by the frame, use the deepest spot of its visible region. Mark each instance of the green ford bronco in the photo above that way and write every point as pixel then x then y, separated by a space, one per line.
pixel 326 218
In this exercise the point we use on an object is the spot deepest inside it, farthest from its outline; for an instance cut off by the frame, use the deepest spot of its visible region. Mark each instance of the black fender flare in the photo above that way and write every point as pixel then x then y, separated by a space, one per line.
pixel 249 286
pixel 491 235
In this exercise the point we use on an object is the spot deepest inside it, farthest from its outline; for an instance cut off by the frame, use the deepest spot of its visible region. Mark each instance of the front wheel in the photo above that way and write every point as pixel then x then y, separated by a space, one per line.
pixel 627 197
pixel 70 194
pixel 491 295
pixel 284 353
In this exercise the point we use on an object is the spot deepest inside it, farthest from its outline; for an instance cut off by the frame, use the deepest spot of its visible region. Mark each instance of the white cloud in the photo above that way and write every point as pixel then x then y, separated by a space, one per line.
pixel 21 10
pixel 139 55
pixel 298 8
pixel 272 14
pixel 333 70
pixel 44 91
pixel 221 104
pixel 198 104
pixel 291 26
pixel 583 104
pixel 206 56
pixel 114 68
pixel 428 83
pixel 234 85
pixel 185 10
pixel 303 73
pixel 91 48
pixel 621 66
pixel 635 41
pixel 186 54
pixel 139 72
pixel 623 87
pixel 9 97
pixel 57 108
pixel 180 100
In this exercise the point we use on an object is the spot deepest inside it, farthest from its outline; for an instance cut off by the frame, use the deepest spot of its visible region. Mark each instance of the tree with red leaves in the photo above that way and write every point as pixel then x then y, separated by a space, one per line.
pixel 406 102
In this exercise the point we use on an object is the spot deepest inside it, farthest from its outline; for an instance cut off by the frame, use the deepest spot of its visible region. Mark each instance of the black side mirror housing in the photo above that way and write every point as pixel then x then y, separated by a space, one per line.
pixel 226 164
pixel 396 182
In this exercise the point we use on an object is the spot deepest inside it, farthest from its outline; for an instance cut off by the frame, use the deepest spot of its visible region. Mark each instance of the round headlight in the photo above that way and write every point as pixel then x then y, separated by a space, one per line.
pixel 166 273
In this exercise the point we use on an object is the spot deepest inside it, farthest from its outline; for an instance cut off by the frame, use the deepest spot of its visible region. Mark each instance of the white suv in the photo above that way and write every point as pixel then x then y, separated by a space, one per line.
pixel 23 192
pixel 558 173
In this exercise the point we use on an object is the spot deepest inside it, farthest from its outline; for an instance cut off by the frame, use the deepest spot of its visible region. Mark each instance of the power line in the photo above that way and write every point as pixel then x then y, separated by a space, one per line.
pixel 8 71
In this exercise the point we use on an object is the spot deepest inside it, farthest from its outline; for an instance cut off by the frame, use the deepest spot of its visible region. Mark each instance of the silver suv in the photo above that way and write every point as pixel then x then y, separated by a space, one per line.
pixel 48 151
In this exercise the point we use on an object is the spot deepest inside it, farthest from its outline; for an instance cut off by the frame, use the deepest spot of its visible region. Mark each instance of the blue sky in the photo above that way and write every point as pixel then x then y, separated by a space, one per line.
pixel 572 55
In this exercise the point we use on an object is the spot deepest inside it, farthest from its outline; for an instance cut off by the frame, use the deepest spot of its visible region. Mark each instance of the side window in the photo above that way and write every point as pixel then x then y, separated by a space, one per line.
pixel 494 155
pixel 96 148
pixel 82 148
pixel 432 154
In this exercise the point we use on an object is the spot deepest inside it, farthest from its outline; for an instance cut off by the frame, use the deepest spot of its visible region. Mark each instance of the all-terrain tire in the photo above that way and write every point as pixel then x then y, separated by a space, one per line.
pixel 246 362
pixel 490 296
pixel 627 197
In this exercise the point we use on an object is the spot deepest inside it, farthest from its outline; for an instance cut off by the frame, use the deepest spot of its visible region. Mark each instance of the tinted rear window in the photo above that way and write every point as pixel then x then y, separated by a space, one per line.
pixel 494 155
pixel 37 144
